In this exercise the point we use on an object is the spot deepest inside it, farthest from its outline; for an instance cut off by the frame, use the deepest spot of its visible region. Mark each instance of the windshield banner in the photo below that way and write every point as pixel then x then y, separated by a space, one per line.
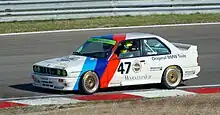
pixel 112 42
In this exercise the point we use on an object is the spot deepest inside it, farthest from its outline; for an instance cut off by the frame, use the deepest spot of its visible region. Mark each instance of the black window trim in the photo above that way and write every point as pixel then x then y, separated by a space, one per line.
pixel 142 42
pixel 141 48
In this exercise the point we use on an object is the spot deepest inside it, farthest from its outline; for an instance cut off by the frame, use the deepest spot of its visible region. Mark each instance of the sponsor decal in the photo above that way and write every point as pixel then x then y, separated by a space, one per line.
pixel 155 68
pixel 69 58
pixel 169 57
pixel 59 67
pixel 74 58
pixel 116 84
pixel 127 77
pixel 181 55
pixel 136 67
pixel 63 64
pixel 190 72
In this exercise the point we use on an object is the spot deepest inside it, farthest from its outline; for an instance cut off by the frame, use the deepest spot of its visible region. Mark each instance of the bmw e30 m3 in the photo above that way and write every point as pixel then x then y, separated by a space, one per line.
pixel 119 60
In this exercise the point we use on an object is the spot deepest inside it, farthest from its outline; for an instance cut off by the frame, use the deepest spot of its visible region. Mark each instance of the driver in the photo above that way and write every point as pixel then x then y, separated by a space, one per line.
pixel 126 47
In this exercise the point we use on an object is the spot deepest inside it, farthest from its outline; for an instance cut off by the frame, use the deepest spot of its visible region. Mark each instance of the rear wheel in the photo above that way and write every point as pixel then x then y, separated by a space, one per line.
pixel 172 77
pixel 89 83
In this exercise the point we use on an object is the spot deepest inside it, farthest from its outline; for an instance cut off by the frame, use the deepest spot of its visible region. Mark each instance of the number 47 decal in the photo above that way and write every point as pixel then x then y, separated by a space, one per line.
pixel 123 69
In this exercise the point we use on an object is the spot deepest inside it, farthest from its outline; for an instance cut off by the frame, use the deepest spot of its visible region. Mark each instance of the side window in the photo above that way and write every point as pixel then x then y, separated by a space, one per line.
pixel 128 49
pixel 154 47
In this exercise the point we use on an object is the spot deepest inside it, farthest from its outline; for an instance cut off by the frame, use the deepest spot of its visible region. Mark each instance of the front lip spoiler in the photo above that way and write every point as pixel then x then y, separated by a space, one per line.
pixel 55 89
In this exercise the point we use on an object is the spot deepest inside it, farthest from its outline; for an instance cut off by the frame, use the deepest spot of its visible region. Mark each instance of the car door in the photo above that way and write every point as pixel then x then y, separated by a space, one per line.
pixel 154 52
pixel 131 69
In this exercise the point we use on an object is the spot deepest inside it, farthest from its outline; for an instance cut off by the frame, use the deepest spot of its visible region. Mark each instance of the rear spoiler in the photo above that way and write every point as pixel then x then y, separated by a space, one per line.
pixel 188 47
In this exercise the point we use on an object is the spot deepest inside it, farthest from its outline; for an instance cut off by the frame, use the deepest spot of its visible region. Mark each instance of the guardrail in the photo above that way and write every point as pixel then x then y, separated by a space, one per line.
pixel 24 10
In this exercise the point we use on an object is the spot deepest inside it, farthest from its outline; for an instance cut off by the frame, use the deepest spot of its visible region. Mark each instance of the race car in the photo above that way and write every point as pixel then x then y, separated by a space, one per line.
pixel 116 60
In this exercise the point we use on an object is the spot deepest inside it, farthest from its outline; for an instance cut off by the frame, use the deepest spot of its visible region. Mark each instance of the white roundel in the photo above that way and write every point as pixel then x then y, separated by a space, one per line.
pixel 136 67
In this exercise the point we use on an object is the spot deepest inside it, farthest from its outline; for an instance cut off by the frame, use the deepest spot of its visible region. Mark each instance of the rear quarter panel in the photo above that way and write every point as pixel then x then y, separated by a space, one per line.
pixel 186 60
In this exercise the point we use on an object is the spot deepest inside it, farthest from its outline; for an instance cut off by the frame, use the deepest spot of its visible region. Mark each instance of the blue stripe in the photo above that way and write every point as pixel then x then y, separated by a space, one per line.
pixel 100 66
pixel 109 36
pixel 89 64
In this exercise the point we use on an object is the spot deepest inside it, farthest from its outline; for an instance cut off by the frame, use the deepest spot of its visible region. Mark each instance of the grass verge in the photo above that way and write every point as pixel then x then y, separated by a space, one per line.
pixel 13 27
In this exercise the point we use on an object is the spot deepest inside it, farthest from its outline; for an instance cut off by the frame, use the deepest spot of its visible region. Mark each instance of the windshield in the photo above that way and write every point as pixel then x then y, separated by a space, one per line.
pixel 96 47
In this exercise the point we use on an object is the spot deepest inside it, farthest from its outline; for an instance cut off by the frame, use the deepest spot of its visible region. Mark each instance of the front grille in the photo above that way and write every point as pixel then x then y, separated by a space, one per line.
pixel 49 71
pixel 46 70
pixel 47 85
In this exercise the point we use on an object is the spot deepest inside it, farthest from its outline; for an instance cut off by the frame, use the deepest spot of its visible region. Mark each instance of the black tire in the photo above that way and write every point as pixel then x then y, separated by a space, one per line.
pixel 172 77
pixel 89 83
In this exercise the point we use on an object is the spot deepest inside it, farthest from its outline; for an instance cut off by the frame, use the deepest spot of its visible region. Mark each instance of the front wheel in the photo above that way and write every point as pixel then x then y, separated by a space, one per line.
pixel 172 77
pixel 89 83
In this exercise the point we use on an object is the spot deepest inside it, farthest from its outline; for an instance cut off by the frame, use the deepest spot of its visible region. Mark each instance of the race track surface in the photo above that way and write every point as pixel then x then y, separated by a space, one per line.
pixel 19 52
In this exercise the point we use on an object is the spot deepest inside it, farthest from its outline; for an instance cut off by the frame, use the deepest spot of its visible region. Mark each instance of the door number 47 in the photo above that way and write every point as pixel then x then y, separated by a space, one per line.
pixel 124 67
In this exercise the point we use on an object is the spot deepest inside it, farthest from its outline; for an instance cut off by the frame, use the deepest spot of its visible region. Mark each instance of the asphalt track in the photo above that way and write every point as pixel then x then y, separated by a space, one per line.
pixel 19 52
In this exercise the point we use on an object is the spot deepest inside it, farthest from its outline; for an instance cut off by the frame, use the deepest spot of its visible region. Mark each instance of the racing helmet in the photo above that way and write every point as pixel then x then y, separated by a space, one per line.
pixel 126 45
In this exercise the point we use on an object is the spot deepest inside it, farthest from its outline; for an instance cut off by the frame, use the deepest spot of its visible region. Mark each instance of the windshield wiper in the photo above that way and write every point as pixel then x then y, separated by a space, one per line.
pixel 77 53
pixel 93 54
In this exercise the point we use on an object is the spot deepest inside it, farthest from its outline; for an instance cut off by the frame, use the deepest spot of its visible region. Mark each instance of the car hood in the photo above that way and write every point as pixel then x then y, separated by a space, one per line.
pixel 73 62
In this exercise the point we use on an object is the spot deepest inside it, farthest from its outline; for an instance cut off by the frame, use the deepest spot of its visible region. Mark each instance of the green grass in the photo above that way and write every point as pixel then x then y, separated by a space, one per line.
pixel 9 27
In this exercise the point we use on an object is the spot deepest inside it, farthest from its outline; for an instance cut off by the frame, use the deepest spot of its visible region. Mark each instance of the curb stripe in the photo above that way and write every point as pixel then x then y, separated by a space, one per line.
pixel 204 90
pixel 107 97
pixel 198 86
pixel 10 104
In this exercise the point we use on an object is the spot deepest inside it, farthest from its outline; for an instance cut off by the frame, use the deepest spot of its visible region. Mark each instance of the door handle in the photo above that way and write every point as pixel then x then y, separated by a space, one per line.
pixel 142 61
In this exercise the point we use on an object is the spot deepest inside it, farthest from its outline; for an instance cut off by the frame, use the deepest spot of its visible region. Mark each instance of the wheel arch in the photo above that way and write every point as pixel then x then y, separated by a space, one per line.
pixel 181 70
pixel 81 77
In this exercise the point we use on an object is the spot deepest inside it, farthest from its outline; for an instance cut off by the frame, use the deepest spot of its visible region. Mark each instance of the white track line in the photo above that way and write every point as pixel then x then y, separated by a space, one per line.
pixel 199 86
pixel 47 101
pixel 31 97
pixel 161 93
pixel 130 27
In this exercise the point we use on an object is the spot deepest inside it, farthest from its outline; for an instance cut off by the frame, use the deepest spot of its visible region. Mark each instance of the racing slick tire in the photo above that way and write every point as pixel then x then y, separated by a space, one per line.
pixel 172 77
pixel 89 83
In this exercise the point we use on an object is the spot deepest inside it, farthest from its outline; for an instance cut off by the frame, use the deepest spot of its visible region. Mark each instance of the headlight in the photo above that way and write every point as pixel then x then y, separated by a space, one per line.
pixel 36 68
pixel 61 72
pixel 58 72
pixel 64 73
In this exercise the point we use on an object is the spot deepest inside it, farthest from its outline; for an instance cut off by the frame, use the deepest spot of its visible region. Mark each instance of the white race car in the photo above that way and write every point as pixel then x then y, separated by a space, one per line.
pixel 119 60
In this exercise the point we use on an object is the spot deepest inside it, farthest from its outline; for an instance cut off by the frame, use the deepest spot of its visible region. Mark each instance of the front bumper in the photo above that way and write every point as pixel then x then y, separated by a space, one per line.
pixel 55 83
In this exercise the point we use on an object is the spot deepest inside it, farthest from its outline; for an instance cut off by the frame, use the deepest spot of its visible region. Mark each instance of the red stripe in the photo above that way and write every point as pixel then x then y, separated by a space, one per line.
pixel 10 104
pixel 107 97
pixel 112 65
pixel 109 73
pixel 205 90
pixel 119 37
